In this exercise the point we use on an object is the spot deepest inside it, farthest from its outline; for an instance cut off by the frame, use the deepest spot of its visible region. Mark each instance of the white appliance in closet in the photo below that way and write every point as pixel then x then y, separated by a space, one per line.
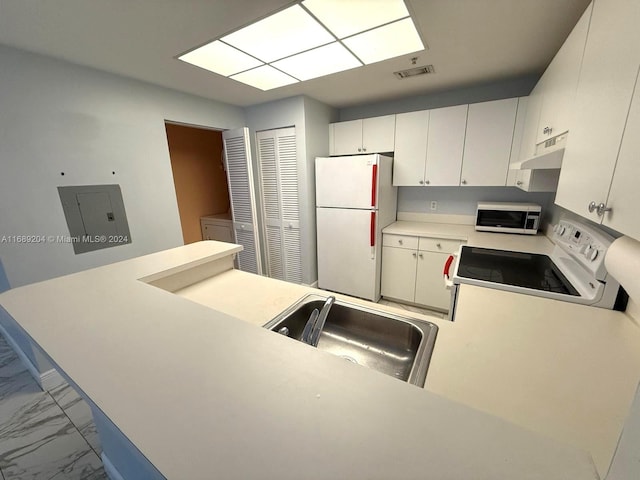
pixel 354 202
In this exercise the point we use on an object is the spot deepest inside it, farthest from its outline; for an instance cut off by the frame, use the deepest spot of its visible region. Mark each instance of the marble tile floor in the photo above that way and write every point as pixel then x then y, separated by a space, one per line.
pixel 412 308
pixel 44 435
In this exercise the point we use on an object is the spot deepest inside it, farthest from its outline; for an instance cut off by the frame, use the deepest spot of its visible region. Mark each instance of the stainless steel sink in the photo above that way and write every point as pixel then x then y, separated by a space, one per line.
pixel 396 345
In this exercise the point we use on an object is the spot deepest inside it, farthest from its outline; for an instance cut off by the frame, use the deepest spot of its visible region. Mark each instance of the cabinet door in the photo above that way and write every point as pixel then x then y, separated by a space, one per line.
pixel 277 161
pixel 624 196
pixel 605 87
pixel 378 134
pixel 410 148
pixel 398 273
pixel 487 146
pixel 237 154
pixel 561 81
pixel 430 289
pixel 531 121
pixel 445 145
pixel 347 138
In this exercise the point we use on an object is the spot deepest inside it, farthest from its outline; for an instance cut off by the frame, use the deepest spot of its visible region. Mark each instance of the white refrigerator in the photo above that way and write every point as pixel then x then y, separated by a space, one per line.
pixel 354 202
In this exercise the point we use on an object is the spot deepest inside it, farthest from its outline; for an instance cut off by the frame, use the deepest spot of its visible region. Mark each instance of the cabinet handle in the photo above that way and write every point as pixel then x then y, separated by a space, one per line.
pixel 359 149
pixel 421 255
pixel 426 182
pixel 519 182
pixel 464 182
pixel 364 149
pixel 400 241
pixel 592 206
pixel 414 254
pixel 438 245
pixel 421 182
pixel 601 209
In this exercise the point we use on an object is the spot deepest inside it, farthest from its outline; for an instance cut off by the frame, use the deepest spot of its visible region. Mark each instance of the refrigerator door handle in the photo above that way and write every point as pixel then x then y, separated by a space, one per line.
pixel 374 184
pixel 372 233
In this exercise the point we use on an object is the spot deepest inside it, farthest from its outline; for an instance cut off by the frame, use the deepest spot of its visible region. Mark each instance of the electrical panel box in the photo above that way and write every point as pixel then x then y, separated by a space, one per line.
pixel 95 216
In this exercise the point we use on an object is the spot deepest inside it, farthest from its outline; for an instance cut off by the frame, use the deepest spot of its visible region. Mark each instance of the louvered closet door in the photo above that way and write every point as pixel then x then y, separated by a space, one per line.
pixel 243 203
pixel 279 179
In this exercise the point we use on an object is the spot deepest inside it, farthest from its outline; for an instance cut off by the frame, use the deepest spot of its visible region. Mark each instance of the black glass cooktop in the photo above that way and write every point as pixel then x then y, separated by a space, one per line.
pixel 529 270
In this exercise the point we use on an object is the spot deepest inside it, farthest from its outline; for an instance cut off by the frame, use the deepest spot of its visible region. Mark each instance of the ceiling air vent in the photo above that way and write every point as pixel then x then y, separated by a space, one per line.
pixel 413 72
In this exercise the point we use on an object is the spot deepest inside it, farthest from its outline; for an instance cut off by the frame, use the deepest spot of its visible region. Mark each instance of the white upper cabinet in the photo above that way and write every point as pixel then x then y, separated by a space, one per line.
pixel 605 89
pixel 487 146
pixel 560 81
pixel 369 135
pixel 410 153
pixel 346 137
pixel 429 146
pixel 445 145
pixel 531 121
pixel 624 196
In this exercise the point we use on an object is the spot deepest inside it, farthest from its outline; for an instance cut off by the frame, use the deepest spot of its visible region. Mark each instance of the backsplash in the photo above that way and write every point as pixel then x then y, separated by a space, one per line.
pixel 463 200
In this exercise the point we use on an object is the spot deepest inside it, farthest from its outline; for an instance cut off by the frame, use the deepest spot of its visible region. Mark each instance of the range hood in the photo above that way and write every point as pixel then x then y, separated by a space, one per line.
pixel 548 155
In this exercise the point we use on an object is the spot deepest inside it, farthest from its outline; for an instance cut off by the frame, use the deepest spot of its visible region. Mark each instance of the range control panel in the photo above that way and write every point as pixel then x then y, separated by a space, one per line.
pixel 588 245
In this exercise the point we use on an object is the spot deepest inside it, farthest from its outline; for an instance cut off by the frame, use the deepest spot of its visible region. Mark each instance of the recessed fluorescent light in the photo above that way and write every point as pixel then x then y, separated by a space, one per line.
pixel 285 33
pixel 345 18
pixel 320 61
pixel 220 58
pixel 264 78
pixel 389 41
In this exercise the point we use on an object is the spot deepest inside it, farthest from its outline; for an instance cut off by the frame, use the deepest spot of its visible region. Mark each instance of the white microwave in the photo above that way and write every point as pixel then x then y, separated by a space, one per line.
pixel 508 217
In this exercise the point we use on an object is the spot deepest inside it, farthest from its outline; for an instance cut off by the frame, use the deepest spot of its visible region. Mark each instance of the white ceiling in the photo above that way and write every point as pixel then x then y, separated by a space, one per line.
pixel 469 42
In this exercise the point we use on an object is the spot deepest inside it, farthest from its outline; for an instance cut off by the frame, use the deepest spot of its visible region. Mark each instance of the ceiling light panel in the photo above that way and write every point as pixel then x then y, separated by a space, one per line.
pixel 393 40
pixel 285 33
pixel 264 78
pixel 320 61
pixel 348 17
pixel 220 58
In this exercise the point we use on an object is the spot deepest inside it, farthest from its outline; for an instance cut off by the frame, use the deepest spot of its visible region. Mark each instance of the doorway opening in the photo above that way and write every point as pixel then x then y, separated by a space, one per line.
pixel 199 177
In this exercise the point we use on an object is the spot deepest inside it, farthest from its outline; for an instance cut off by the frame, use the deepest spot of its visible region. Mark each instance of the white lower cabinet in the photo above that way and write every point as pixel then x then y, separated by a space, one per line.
pixel 412 269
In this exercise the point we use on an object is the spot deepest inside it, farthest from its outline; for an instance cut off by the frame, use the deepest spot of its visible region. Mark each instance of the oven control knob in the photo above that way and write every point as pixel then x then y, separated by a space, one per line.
pixel 593 254
pixel 561 230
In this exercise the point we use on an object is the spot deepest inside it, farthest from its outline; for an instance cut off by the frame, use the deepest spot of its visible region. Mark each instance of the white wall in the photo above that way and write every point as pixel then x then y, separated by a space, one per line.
pixel 463 200
pixel 57 117
pixel 296 111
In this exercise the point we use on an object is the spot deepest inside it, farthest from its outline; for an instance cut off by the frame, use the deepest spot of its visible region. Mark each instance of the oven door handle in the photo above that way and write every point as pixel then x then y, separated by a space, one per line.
pixel 448 283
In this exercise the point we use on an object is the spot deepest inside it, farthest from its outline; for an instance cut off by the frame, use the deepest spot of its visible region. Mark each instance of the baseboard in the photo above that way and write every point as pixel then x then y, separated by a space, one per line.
pixel 111 471
pixel 47 380
pixel 51 379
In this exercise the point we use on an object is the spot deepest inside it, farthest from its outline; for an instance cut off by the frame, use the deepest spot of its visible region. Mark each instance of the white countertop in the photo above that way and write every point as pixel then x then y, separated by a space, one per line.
pixel 199 391
pixel 504 241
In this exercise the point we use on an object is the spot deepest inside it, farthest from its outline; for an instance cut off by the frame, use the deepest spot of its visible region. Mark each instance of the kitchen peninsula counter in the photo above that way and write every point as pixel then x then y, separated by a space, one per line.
pixel 201 390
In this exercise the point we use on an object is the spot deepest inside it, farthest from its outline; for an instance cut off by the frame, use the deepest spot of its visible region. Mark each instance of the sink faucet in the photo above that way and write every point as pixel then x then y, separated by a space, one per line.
pixel 315 324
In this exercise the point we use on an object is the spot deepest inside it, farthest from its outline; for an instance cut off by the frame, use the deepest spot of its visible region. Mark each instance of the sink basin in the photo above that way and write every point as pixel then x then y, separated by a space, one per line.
pixel 396 345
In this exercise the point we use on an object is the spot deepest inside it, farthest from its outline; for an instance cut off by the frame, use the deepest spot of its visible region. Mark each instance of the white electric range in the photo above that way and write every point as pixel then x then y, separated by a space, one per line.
pixel 574 272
